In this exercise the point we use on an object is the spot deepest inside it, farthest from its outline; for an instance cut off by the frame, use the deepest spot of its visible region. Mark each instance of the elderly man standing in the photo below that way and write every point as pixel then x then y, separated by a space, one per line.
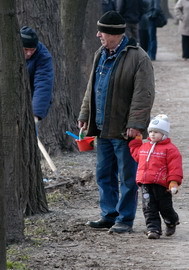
pixel 115 108
pixel 41 73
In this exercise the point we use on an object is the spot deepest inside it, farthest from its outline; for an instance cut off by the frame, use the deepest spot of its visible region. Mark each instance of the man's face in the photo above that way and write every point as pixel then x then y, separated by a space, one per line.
pixel 107 40
pixel 28 52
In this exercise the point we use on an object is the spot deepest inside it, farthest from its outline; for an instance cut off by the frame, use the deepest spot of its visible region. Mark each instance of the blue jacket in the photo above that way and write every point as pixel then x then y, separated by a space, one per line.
pixel 41 73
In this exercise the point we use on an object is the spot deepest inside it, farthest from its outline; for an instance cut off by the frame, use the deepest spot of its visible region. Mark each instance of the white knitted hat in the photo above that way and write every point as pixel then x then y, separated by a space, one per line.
pixel 160 123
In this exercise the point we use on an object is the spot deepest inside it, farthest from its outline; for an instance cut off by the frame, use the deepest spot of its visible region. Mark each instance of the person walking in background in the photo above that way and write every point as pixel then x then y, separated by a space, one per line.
pixel 41 73
pixel 132 12
pixel 154 9
pixel 182 14
pixel 116 107
pixel 108 5
pixel 143 28
pixel 159 174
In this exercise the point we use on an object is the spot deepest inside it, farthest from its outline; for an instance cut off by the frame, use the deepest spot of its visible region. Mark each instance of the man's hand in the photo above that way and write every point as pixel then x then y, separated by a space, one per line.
pixel 82 125
pixel 131 132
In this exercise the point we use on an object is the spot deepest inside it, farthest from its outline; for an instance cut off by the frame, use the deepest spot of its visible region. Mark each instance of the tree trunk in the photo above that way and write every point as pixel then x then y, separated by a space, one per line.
pixel 2 205
pixel 62 27
pixel 90 42
pixel 21 167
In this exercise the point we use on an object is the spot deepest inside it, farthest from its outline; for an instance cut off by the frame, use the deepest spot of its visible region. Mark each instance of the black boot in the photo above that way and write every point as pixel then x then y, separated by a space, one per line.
pixel 101 223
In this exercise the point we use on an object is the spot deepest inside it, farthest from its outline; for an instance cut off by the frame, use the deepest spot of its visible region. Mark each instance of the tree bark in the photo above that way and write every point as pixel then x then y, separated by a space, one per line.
pixel 90 42
pixel 2 205
pixel 21 167
pixel 64 27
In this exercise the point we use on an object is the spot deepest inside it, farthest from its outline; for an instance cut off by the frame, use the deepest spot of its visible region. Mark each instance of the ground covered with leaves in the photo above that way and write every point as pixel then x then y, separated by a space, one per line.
pixel 61 240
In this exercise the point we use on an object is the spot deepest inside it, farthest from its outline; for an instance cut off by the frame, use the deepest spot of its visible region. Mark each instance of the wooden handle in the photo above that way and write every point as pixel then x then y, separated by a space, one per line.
pixel 46 155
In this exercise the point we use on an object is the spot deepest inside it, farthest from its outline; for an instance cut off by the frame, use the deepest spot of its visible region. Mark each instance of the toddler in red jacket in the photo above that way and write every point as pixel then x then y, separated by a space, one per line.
pixel 159 174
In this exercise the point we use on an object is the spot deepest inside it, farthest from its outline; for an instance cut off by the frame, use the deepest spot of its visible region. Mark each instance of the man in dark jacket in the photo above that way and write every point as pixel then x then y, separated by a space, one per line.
pixel 143 28
pixel 40 69
pixel 108 5
pixel 115 108
pixel 131 11
pixel 154 9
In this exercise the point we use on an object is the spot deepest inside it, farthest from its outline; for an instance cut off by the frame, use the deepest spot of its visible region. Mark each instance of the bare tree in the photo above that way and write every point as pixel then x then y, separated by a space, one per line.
pixel 2 206
pixel 64 35
pixel 24 192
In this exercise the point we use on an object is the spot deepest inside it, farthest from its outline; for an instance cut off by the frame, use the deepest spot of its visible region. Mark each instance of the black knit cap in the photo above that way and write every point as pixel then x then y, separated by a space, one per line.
pixel 111 23
pixel 29 37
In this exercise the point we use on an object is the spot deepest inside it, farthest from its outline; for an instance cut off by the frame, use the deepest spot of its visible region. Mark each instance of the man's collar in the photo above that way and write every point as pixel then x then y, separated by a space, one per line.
pixel 117 48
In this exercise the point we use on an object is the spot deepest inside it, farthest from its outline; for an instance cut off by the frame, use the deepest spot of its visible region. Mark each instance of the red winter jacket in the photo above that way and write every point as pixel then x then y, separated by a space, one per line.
pixel 160 167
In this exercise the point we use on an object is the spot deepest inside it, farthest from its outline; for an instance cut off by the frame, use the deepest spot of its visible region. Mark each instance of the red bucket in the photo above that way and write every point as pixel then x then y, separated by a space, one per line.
pixel 85 144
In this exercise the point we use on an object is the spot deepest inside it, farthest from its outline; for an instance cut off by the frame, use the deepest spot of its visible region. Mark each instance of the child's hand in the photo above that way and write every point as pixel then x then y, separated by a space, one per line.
pixel 173 187
pixel 138 137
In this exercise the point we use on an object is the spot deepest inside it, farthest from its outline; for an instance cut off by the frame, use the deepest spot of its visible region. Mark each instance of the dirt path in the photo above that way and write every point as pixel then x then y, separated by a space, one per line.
pixel 60 239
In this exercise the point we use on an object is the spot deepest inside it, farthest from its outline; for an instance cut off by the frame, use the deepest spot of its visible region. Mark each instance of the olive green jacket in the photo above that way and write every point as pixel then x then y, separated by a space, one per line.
pixel 129 98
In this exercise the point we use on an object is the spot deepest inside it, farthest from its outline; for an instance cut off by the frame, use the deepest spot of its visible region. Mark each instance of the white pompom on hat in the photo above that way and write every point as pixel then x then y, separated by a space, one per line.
pixel 160 123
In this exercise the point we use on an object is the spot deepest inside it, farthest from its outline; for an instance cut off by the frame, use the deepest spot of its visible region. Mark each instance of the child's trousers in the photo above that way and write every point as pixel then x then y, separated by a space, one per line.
pixel 156 201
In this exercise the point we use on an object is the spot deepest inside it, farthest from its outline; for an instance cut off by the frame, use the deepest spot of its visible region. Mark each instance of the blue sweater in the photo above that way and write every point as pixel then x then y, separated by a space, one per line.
pixel 41 73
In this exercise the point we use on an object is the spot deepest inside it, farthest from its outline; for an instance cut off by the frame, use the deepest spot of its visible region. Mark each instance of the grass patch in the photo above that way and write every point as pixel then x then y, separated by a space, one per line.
pixel 35 229
pixel 16 265
pixel 17 258
pixel 53 197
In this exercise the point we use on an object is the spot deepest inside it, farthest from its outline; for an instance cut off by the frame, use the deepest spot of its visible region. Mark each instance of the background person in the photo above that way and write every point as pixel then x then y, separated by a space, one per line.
pixel 182 14
pixel 40 69
pixel 116 107
pixel 108 5
pixel 132 12
pixel 159 173
pixel 154 9
pixel 143 28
